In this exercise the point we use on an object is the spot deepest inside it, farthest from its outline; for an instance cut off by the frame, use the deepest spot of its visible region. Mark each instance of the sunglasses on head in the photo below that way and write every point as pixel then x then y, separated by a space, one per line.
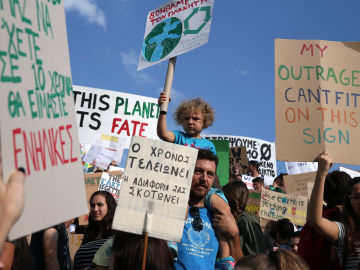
pixel 197 222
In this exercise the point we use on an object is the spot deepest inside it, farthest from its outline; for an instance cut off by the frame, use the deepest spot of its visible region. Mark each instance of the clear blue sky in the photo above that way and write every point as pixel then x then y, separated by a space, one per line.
pixel 234 72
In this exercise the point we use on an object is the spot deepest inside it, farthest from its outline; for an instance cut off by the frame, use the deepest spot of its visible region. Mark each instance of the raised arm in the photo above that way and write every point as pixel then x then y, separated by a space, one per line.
pixel 324 226
pixel 12 198
pixel 162 130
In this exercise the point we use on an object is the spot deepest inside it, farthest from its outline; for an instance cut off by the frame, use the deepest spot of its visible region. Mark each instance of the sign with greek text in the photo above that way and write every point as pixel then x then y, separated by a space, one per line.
pixel 37 120
pixel 296 184
pixel 238 160
pixel 109 113
pixel 352 173
pixel 155 191
pixel 317 92
pixel 275 206
pixel 175 28
pixel 111 183
pixel 300 167
pixel 259 150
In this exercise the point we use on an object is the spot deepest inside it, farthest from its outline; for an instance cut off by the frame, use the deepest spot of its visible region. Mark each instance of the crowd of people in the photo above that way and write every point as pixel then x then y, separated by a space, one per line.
pixel 218 232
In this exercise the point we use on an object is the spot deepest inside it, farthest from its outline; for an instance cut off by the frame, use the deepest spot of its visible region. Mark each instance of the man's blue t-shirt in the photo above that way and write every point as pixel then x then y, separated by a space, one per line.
pixel 200 143
pixel 198 249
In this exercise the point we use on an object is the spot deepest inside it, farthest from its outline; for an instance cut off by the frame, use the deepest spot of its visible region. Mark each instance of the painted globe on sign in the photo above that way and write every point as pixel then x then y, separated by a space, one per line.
pixel 162 39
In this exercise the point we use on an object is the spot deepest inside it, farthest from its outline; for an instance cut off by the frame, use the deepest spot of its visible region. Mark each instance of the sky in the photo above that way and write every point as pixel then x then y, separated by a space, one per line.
pixel 234 71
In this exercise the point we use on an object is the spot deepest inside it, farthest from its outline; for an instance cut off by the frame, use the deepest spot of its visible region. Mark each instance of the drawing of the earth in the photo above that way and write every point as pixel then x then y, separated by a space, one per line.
pixel 162 39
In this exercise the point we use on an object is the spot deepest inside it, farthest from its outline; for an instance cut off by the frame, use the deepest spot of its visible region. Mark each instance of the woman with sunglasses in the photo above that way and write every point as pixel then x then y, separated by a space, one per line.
pixel 345 234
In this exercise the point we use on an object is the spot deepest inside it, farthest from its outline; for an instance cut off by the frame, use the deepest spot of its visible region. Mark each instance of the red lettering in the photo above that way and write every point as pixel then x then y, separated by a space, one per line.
pixel 114 124
pixel 135 125
pixel 142 128
pixel 16 150
pixel 54 144
pixel 321 50
pixel 72 159
pixel 62 143
pixel 28 151
pixel 307 49
pixel 125 126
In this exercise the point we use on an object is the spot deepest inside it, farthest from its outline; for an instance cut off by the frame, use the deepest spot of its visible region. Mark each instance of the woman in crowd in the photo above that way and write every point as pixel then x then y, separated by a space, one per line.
pixel 345 234
pixel 128 251
pixel 251 237
pixel 102 209
pixel 276 260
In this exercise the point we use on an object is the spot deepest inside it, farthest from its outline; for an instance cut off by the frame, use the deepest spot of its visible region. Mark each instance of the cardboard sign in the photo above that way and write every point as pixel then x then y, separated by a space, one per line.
pixel 253 203
pixel 259 150
pixel 238 160
pixel 317 89
pixel 75 241
pixel 275 206
pixel 310 187
pixel 111 183
pixel 175 28
pixel 102 112
pixel 296 184
pixel 350 172
pixel 248 181
pixel 155 194
pixel 37 121
pixel 300 167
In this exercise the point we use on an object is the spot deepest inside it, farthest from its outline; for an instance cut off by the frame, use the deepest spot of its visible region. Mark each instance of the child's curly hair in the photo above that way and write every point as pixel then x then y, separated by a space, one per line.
pixel 193 105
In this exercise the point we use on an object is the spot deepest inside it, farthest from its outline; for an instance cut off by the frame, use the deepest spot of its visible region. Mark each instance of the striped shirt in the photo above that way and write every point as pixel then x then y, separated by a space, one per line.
pixel 85 254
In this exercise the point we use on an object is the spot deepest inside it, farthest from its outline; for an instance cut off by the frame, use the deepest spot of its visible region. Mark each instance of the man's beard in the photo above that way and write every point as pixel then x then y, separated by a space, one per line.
pixel 197 196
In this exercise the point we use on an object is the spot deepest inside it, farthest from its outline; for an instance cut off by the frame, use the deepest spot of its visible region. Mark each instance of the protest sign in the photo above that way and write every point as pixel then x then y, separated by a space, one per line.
pixel 222 152
pixel 253 203
pixel 155 192
pixel 310 187
pixel 74 244
pixel 111 183
pixel 296 184
pixel 248 181
pixel 37 120
pixel 317 85
pixel 350 172
pixel 109 113
pixel 275 206
pixel 175 28
pixel 238 160
pixel 300 167
pixel 259 150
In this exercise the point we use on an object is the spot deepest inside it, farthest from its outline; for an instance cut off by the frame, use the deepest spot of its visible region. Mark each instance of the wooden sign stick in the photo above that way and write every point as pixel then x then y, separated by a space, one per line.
pixel 168 83
pixel 146 238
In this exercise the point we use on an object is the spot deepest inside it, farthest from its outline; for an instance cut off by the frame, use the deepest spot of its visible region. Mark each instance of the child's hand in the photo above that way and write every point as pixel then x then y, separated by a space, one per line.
pixel 162 99
pixel 226 224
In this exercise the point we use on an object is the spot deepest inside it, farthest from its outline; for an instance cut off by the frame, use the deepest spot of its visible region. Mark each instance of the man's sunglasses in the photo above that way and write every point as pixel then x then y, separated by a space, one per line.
pixel 197 222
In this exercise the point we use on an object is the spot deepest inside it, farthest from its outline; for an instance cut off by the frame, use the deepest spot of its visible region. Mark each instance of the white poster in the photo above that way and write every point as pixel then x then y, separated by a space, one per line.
pixel 103 113
pixel 175 28
pixel 257 149
pixel 37 120
pixel 155 192
pixel 352 173
pixel 300 167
